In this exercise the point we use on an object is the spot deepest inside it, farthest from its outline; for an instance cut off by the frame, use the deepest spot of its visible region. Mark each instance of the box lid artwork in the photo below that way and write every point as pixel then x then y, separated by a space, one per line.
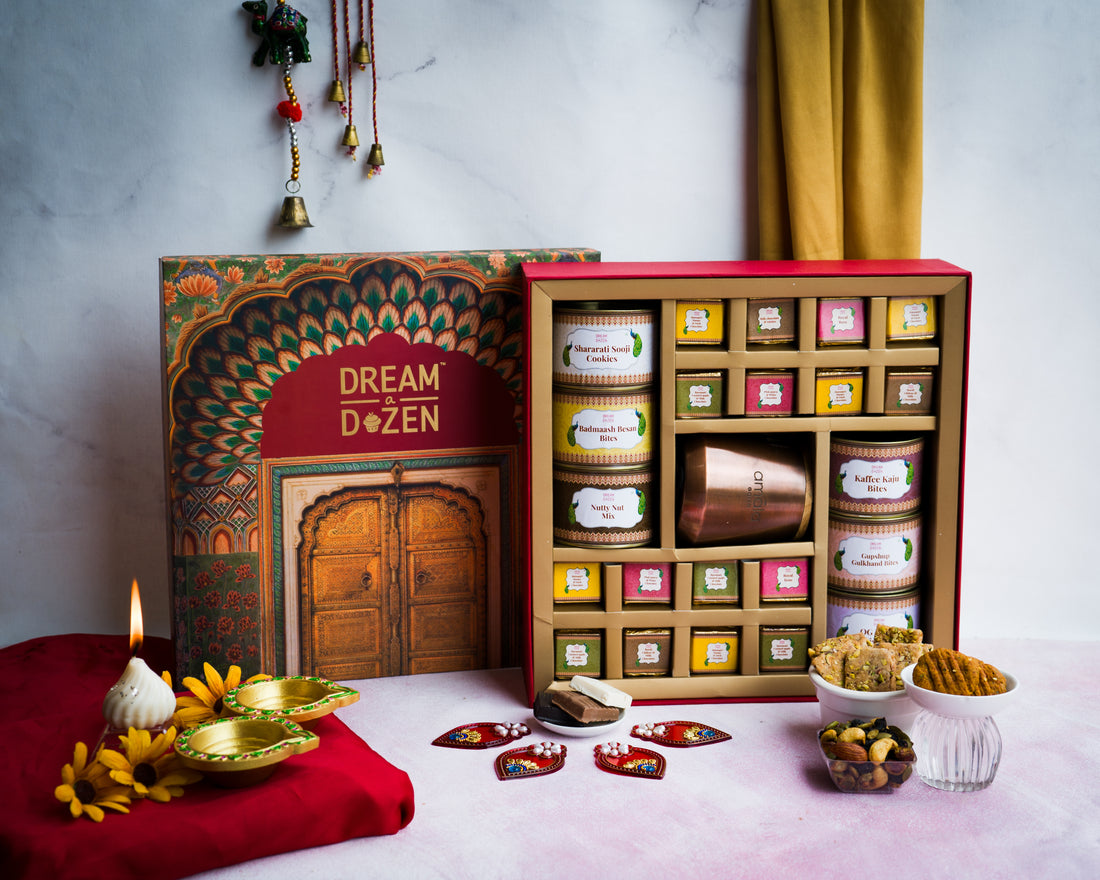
pixel 343 442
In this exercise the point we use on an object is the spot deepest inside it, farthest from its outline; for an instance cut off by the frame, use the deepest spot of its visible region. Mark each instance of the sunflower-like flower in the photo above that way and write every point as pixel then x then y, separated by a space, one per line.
pixel 88 788
pixel 147 766
pixel 205 703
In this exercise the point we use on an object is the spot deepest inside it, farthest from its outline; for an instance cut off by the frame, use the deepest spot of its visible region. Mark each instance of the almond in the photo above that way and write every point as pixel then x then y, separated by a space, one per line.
pixel 847 751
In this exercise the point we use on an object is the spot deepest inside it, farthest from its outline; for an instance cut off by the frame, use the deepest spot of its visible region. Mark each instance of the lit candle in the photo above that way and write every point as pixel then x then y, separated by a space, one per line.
pixel 140 698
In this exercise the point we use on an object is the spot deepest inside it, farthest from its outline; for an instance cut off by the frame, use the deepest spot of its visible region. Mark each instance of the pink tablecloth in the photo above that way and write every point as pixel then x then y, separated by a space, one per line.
pixel 51 692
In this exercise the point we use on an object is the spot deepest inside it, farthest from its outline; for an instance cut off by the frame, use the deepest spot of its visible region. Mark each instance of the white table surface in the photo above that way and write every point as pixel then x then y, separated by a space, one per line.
pixel 759 805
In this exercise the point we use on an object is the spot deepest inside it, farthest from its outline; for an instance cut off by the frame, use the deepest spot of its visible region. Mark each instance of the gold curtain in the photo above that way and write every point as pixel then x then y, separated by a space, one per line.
pixel 839 128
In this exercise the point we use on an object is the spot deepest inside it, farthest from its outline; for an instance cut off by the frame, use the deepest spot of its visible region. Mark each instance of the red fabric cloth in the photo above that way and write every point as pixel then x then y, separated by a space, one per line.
pixel 51 695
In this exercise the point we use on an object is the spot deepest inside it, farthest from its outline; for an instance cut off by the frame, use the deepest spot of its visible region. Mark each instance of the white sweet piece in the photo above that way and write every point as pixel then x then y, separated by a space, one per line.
pixel 140 699
pixel 601 691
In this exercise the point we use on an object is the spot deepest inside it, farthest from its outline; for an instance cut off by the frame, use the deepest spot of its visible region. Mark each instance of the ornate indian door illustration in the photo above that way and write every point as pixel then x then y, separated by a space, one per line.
pixel 392 582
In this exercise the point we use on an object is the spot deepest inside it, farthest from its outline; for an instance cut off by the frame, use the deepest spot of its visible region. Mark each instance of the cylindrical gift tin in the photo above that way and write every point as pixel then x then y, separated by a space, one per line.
pixel 838 392
pixel 840 321
pixel 647 582
pixel 700 322
pixel 784 580
pixel 850 613
pixel 910 317
pixel 715 583
pixel 740 489
pixel 714 650
pixel 604 347
pixel 577 582
pixel 875 477
pixel 603 428
pixel 700 394
pixel 880 555
pixel 646 652
pixel 784 648
pixel 908 392
pixel 769 393
pixel 771 320
pixel 578 652
pixel 613 507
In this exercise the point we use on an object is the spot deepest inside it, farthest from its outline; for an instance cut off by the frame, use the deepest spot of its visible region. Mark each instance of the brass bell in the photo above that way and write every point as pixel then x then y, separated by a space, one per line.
pixel 293 215
pixel 374 157
pixel 336 92
pixel 361 53
pixel 351 137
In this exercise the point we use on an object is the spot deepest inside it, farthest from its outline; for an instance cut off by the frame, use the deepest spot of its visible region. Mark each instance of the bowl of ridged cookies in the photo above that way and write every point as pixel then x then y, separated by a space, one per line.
pixel 957 741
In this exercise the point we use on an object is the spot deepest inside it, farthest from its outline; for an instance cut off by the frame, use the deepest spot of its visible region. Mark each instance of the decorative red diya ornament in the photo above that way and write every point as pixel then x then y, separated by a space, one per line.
pixel 482 735
pixel 537 759
pixel 679 733
pixel 629 760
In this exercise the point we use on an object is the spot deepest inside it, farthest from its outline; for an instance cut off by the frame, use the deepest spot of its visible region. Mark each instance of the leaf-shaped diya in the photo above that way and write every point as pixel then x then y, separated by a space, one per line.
pixel 299 698
pixel 482 735
pixel 234 752
pixel 629 760
pixel 679 733
pixel 533 760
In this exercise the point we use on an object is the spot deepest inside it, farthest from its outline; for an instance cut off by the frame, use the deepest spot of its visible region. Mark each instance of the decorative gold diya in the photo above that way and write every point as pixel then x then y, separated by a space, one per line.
pixel 299 698
pixel 235 752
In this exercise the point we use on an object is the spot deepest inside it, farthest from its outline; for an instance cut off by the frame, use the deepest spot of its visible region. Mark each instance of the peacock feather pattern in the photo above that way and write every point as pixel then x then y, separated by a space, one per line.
pixel 226 381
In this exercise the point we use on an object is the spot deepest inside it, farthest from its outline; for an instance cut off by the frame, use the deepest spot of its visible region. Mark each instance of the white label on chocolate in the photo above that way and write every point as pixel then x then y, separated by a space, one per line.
pixel 875 556
pixel 910 394
pixel 861 479
pixel 840 395
pixel 715 579
pixel 607 429
pixel 603 350
pixel 771 393
pixel 649 580
pixel 696 320
pixel 699 395
pixel 782 649
pixel 609 508
pixel 787 578
pixel 649 652
pixel 576 655
pixel 576 580
pixel 916 315
pixel 843 319
pixel 718 652
pixel 769 318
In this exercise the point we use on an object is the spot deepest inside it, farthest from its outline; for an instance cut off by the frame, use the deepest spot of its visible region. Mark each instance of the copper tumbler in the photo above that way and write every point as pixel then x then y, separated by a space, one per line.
pixel 737 489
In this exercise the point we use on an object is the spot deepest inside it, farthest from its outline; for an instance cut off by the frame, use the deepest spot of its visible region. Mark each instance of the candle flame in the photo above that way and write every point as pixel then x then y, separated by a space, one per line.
pixel 137 631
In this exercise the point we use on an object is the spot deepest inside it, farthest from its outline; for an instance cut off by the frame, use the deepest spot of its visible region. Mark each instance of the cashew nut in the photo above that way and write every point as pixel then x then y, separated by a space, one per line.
pixel 853 734
pixel 880 749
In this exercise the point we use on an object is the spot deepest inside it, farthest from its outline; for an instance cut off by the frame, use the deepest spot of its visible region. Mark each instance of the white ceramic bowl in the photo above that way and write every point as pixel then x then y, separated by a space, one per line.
pixel 841 704
pixel 956 705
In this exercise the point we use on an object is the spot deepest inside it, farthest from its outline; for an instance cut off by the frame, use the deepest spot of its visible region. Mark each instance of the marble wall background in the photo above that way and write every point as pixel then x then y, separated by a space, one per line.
pixel 625 125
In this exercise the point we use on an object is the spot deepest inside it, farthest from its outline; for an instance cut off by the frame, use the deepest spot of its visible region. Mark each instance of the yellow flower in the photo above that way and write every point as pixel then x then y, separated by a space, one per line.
pixel 87 788
pixel 148 767
pixel 205 704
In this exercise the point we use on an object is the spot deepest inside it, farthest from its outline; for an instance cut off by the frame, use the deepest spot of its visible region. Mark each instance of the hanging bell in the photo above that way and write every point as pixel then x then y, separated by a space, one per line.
pixel 361 53
pixel 293 215
pixel 351 137
pixel 374 157
pixel 336 92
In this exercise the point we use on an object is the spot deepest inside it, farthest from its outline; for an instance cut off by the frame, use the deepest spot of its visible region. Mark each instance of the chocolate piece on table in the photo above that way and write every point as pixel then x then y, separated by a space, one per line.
pixel 583 708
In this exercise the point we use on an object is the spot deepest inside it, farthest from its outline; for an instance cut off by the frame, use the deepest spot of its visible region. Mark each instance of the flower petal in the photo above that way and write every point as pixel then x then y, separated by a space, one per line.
pixel 93 812
pixel 114 760
pixel 233 679
pixel 200 690
pixel 214 680
pixel 75 808
pixel 64 793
